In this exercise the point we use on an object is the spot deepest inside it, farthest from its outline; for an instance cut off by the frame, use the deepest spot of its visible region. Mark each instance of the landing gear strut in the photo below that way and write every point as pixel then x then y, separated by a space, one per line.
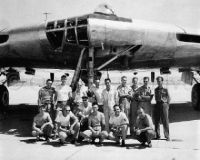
pixel 89 67
pixel 195 96
pixel 4 98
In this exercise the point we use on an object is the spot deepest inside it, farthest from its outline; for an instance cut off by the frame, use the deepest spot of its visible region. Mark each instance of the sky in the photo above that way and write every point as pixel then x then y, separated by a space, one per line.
pixel 184 13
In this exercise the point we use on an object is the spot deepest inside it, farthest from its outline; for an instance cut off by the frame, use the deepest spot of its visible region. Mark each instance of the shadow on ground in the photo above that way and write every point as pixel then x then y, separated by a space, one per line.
pixel 180 112
pixel 19 118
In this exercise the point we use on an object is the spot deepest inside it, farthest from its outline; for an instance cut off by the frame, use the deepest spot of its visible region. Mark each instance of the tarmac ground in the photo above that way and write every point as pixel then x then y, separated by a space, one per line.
pixel 16 142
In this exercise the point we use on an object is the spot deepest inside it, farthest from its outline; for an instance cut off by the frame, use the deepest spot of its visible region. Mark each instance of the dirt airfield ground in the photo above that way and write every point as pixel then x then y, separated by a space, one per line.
pixel 16 142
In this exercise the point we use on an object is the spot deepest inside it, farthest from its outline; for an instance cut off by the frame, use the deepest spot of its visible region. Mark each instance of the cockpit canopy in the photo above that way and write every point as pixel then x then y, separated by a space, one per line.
pixel 104 9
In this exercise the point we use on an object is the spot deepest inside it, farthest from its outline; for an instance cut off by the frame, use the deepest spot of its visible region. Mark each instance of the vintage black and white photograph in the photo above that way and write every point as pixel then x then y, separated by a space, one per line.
pixel 99 79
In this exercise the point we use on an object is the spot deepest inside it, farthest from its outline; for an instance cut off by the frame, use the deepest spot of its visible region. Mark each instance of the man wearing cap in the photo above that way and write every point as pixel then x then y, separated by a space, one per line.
pixel 63 94
pixel 144 130
pixel 42 124
pixel 68 125
pixel 161 109
pixel 96 123
pixel 109 99
pixel 118 126
pixel 46 97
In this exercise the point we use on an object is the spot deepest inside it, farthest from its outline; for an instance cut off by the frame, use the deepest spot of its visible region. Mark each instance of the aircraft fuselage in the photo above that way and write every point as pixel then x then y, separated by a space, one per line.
pixel 58 44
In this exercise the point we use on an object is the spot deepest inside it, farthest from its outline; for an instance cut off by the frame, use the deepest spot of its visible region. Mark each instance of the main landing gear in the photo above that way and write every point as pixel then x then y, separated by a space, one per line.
pixel 11 75
pixel 195 95
pixel 4 98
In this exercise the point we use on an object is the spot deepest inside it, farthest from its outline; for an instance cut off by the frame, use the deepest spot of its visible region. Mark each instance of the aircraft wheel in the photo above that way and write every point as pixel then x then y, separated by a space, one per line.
pixel 195 96
pixel 4 98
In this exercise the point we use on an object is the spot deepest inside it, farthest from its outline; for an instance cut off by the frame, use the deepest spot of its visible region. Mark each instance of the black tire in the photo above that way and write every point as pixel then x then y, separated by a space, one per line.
pixel 4 98
pixel 195 97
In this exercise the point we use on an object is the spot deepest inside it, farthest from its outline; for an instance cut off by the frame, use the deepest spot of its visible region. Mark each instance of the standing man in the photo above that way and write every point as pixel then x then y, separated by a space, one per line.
pixel 161 110
pixel 63 94
pixel 96 123
pixel 109 99
pixel 68 125
pixel 46 97
pixel 145 97
pixel 118 126
pixel 124 93
pixel 97 94
pixel 144 130
pixel 134 104
pixel 81 90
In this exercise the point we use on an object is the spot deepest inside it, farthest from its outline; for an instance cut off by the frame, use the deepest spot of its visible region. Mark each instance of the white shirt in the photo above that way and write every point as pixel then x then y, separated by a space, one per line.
pixel 63 92
pixel 64 121
pixel 109 98
pixel 85 110
pixel 120 120
pixel 77 95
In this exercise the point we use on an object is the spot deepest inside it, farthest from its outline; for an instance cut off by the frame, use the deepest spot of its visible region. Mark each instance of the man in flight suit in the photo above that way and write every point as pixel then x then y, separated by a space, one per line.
pixel 161 109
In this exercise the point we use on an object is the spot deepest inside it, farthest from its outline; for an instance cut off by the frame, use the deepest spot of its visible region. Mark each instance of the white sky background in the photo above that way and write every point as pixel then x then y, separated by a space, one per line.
pixel 185 13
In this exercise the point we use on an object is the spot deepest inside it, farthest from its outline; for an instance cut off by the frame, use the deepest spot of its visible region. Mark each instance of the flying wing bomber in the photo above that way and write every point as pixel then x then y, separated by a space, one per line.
pixel 98 41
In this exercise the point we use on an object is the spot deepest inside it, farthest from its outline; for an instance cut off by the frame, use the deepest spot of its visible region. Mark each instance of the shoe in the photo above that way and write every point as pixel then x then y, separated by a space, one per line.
pixel 54 137
pixel 117 143
pixel 37 138
pixel 143 144
pixel 61 142
pixel 76 143
pixel 149 144
pixel 157 137
pixel 100 143
pixel 93 141
pixel 123 143
pixel 168 139
pixel 48 140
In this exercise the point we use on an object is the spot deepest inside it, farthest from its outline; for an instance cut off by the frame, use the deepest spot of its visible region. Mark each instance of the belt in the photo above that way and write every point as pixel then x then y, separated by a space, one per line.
pixel 61 101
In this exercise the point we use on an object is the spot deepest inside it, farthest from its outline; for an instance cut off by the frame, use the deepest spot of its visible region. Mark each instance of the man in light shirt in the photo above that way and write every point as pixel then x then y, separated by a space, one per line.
pixel 81 90
pixel 109 99
pixel 118 126
pixel 124 93
pixel 68 125
pixel 63 93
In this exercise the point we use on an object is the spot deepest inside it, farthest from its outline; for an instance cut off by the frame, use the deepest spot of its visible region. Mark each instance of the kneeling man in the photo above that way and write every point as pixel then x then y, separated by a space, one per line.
pixel 65 128
pixel 96 125
pixel 118 126
pixel 42 124
pixel 144 128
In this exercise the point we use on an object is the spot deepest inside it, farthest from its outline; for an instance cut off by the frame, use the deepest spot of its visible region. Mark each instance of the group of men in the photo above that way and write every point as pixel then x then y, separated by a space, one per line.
pixel 88 114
